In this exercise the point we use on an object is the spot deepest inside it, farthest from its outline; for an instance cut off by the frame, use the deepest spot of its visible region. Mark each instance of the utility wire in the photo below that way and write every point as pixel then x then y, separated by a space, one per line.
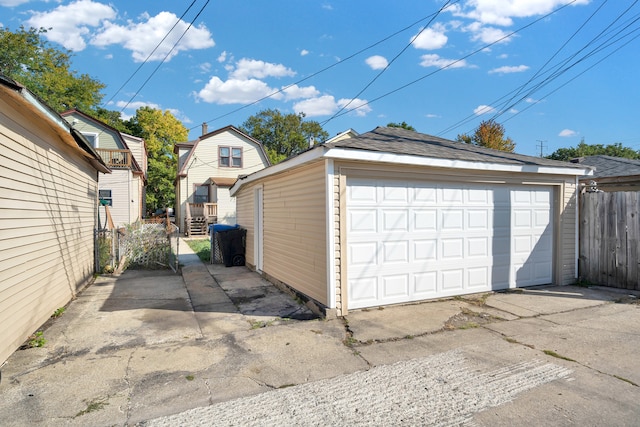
pixel 452 63
pixel 445 6
pixel 413 24
pixel 166 56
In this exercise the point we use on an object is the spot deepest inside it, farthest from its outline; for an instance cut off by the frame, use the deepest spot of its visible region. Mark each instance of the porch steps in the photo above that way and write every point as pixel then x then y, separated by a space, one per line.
pixel 196 226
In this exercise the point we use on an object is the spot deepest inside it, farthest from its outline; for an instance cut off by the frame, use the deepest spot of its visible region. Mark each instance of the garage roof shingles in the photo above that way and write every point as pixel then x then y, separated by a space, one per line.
pixel 402 141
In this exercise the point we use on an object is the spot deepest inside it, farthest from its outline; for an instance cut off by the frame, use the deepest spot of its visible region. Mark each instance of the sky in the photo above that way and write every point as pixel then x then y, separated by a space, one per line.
pixel 552 72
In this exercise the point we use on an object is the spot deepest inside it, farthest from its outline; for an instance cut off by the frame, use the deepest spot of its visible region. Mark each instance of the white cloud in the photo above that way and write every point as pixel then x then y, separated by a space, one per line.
pixel 304 52
pixel 487 35
pixel 297 92
pixel 509 69
pixel 567 133
pixel 222 57
pixel 326 105
pixel 431 38
pixel 503 56
pixel 432 116
pixel 248 68
pixel 234 91
pixel 433 60
pixel 377 62
pixel 483 109
pixel 205 67
pixel 12 3
pixel 142 37
pixel 70 24
pixel 500 12
pixel 532 101
pixel 327 6
pixel 359 107
pixel 320 106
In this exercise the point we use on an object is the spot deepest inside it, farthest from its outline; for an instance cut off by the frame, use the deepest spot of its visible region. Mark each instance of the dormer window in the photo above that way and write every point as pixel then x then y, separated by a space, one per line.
pixel 92 138
pixel 230 157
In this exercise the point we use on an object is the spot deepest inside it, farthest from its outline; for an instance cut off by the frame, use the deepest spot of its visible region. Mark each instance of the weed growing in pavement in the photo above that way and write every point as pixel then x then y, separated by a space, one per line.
pixel 554 354
pixel 257 324
pixel 36 340
pixel 190 377
pixel 515 341
pixel 92 406
pixel 58 312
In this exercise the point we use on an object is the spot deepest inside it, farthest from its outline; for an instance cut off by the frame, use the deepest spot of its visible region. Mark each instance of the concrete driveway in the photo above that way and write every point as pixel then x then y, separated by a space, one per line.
pixel 220 346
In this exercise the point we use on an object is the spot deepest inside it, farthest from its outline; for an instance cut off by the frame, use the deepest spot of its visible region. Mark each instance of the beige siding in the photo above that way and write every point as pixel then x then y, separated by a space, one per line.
pixel 568 232
pixel 245 218
pixel 48 201
pixel 295 230
pixel 120 182
pixel 107 139
pixel 203 165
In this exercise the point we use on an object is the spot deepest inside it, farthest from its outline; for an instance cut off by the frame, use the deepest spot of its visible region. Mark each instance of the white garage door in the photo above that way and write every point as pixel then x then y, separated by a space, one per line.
pixel 409 241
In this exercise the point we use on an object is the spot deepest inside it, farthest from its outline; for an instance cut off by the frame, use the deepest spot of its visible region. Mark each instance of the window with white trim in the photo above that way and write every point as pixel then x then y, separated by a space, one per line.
pixel 92 138
pixel 230 157
pixel 105 197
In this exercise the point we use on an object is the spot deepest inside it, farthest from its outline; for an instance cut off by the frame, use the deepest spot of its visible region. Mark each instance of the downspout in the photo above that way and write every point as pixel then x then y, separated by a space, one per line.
pixel 577 225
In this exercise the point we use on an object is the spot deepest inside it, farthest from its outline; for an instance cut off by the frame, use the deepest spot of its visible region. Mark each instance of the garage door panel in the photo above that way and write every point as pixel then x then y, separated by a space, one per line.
pixel 425 219
pixel 395 220
pixel 417 240
pixel 395 252
pixel 363 221
pixel 396 286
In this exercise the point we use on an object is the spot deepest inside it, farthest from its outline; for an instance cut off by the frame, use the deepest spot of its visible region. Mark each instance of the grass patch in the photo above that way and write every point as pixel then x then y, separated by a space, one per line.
pixel 257 324
pixel 556 355
pixel 94 405
pixel 202 248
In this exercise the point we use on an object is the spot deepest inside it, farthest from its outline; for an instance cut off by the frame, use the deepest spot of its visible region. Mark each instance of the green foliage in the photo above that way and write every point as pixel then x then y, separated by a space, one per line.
pixel 29 59
pixel 104 252
pixel 202 247
pixel 402 125
pixel 489 134
pixel 283 135
pixel 58 312
pixel 37 340
pixel 583 149
pixel 160 130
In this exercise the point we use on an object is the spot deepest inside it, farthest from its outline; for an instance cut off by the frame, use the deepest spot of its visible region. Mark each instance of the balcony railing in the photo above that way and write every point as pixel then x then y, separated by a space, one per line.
pixel 115 158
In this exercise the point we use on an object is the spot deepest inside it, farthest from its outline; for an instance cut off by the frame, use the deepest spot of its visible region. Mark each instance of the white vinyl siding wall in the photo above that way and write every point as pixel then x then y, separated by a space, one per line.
pixel 48 196
pixel 120 184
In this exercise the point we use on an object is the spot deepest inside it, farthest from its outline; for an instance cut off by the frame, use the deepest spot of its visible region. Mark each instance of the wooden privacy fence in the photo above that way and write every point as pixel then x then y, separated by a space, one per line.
pixel 609 238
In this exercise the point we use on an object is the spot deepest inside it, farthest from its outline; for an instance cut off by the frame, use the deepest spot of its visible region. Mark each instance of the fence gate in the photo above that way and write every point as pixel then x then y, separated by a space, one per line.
pixel 609 238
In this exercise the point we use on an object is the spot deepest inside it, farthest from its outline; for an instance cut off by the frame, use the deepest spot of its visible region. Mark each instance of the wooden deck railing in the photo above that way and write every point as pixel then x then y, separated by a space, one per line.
pixel 198 216
pixel 115 158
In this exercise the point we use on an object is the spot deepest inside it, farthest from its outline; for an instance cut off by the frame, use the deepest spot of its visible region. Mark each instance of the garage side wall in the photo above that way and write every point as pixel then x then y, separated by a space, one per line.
pixel 48 208
pixel 295 235
pixel 568 233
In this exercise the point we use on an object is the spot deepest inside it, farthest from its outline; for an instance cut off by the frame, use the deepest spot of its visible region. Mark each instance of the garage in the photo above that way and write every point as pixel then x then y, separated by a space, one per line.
pixel 394 216
pixel 414 240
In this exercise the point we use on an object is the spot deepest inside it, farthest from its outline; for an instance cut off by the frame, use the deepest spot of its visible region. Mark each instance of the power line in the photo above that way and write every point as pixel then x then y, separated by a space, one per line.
pixel 150 54
pixel 445 6
pixel 166 56
pixel 452 63
pixel 322 70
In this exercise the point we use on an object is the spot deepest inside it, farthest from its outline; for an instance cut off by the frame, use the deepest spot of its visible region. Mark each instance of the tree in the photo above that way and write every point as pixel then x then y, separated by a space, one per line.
pixel 160 130
pixel 402 125
pixel 29 59
pixel 283 135
pixel 583 149
pixel 489 134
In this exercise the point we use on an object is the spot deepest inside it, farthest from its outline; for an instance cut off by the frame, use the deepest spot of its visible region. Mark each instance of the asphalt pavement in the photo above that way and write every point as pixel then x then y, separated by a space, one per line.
pixel 221 346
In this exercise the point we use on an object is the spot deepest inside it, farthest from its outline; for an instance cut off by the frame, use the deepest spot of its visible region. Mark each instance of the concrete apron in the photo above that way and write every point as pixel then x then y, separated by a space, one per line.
pixel 149 344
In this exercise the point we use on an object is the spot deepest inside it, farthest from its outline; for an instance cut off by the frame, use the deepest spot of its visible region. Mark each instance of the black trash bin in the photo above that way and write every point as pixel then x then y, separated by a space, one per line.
pixel 232 243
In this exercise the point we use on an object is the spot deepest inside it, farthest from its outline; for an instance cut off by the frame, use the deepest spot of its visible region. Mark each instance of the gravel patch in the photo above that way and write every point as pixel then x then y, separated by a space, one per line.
pixel 440 390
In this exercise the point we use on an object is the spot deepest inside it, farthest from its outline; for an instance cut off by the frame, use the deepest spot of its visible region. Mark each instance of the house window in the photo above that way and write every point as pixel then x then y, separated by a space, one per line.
pixel 231 157
pixel 92 138
pixel 105 197
pixel 201 194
